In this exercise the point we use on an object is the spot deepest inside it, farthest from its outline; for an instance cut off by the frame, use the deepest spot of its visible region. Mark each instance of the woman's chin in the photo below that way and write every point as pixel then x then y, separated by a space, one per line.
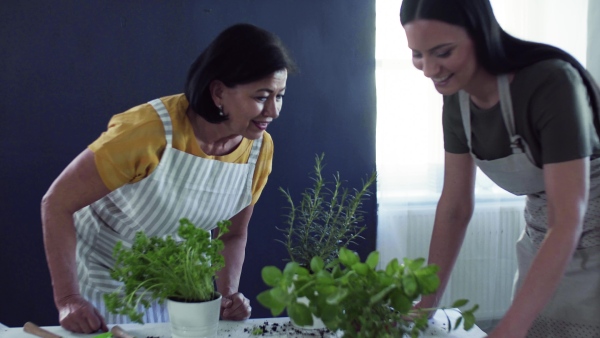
pixel 446 89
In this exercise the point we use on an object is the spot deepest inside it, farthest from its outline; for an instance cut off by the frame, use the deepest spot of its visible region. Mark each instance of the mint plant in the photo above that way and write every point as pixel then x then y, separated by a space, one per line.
pixel 329 216
pixel 355 297
pixel 157 268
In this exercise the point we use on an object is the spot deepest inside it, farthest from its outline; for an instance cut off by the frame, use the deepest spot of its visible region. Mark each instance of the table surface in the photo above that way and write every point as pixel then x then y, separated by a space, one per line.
pixel 272 327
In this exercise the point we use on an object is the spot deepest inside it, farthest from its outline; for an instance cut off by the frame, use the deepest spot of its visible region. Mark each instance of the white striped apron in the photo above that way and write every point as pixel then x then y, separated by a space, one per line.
pixel 182 185
pixel 574 310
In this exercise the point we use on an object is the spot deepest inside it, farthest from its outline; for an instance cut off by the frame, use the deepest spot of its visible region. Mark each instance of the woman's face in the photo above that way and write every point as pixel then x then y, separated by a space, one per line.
pixel 444 52
pixel 252 106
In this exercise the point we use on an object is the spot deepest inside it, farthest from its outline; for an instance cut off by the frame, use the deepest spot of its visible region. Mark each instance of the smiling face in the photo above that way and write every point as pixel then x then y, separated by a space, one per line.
pixel 251 107
pixel 444 52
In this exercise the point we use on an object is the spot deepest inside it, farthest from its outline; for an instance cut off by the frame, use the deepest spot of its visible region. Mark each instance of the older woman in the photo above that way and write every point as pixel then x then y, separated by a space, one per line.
pixel 203 155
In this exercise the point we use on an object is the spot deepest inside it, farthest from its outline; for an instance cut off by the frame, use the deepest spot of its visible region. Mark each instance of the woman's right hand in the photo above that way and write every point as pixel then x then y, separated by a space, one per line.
pixel 78 315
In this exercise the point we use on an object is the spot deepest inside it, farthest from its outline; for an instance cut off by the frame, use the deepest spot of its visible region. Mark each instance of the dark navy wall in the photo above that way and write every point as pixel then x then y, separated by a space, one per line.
pixel 67 66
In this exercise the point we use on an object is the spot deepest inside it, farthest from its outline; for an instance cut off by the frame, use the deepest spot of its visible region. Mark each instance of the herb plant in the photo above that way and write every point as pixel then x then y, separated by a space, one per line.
pixel 157 268
pixel 354 297
pixel 326 219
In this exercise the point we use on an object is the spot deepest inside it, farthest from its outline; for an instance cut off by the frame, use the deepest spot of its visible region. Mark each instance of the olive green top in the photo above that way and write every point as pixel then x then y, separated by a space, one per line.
pixel 551 112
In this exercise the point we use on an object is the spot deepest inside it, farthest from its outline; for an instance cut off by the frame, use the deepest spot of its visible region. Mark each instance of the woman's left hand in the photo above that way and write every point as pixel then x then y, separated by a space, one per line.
pixel 235 307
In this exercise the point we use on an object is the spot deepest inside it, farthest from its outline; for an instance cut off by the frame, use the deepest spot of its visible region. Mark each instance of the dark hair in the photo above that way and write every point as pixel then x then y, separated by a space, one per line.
pixel 241 54
pixel 497 51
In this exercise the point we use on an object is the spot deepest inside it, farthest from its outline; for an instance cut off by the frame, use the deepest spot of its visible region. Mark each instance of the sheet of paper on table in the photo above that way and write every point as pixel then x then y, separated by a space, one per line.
pixel 266 327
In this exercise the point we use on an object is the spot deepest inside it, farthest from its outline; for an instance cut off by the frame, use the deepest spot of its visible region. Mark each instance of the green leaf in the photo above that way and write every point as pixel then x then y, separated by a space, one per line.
pixel 300 313
pixel 421 322
pixel 459 303
pixel 323 277
pixel 300 271
pixel 336 297
pixel 373 260
pixel 271 275
pixel 469 320
pixel 361 268
pixel 267 300
pixel 474 308
pixel 348 257
pixel 409 284
pixel 414 265
pixel 393 267
pixel 326 290
pixel 280 294
pixel 400 302
pixel 317 264
pixel 380 295
pixel 459 321
pixel 329 314
pixel 428 283
pixel 290 270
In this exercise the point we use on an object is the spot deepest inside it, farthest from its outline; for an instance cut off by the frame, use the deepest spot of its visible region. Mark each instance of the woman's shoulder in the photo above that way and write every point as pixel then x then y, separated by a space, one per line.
pixel 267 138
pixel 548 70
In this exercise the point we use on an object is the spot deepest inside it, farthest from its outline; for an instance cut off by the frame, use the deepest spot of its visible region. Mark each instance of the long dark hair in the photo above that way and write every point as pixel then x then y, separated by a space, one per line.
pixel 497 51
pixel 241 54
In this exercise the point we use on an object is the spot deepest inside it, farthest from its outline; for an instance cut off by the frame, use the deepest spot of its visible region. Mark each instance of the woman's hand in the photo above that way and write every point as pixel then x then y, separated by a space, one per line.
pixel 78 315
pixel 235 307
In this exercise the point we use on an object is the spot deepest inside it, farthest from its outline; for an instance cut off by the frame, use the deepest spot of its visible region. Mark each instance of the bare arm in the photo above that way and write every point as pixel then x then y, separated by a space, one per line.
pixel 76 187
pixel 234 305
pixel 567 191
pixel 454 210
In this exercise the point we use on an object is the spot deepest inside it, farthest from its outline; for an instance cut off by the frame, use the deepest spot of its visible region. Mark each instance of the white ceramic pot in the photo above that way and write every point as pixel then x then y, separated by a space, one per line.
pixel 194 320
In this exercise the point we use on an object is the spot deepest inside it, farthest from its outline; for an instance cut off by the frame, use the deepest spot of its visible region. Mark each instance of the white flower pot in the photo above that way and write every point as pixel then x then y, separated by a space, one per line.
pixel 194 320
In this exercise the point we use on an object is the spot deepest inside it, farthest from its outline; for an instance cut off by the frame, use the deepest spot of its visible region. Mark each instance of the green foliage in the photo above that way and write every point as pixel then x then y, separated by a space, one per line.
pixel 326 218
pixel 354 297
pixel 158 268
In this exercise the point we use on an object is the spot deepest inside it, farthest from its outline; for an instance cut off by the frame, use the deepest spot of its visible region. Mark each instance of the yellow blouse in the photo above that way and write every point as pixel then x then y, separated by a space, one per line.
pixel 132 146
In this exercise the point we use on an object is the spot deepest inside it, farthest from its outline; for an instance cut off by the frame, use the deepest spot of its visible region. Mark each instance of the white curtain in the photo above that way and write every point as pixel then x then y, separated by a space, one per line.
pixel 410 152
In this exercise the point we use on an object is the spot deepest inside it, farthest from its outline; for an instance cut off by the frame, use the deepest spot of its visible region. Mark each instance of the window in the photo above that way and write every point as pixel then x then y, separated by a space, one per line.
pixel 409 132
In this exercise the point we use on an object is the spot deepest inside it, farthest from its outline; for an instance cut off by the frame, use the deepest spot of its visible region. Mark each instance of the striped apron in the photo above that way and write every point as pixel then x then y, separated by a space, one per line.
pixel 182 185
pixel 574 310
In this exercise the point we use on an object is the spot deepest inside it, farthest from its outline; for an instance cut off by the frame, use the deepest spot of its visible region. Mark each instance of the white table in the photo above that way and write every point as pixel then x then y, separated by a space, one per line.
pixel 275 327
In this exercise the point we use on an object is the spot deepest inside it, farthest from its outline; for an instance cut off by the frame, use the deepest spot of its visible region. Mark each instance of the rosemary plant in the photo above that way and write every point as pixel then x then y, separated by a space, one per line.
pixel 326 219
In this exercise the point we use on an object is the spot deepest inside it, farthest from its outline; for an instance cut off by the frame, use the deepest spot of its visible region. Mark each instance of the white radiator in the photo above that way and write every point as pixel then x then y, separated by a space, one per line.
pixel 486 265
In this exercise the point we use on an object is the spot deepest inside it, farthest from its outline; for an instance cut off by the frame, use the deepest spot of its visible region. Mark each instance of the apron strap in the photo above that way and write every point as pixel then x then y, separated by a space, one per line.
pixel 516 143
pixel 166 120
pixel 256 144
pixel 465 112
pixel 508 115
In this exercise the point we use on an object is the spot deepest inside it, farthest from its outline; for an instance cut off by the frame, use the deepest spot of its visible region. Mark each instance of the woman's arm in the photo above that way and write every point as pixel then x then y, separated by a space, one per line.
pixel 454 210
pixel 234 305
pixel 76 187
pixel 567 191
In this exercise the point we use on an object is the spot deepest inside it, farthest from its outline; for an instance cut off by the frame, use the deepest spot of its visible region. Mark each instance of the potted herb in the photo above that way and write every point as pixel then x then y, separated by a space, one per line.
pixel 179 271
pixel 354 297
pixel 327 218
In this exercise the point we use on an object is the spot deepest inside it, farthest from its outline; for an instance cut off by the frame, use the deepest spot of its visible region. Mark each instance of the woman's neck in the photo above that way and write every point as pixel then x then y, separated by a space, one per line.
pixel 483 90
pixel 212 138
